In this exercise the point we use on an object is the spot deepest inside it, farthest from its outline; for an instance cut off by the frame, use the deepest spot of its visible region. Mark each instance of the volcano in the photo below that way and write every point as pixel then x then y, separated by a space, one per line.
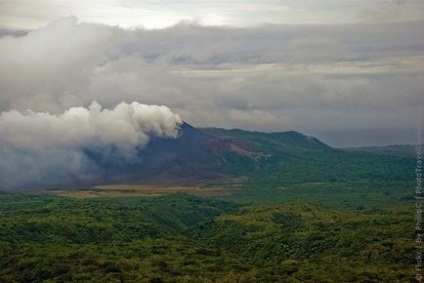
pixel 196 155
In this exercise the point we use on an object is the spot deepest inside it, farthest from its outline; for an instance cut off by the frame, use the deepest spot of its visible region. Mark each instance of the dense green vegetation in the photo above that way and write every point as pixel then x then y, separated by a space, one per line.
pixel 179 238
pixel 315 244
pixel 307 213
pixel 59 239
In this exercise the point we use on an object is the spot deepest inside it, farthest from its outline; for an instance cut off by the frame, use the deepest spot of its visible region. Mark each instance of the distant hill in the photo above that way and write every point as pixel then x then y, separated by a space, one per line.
pixel 402 150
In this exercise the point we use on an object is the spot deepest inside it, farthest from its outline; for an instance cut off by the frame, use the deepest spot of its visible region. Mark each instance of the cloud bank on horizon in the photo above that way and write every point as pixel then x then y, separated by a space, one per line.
pixel 349 79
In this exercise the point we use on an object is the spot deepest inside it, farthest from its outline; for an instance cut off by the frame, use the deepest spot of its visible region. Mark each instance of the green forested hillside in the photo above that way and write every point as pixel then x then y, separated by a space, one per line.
pixel 291 157
pixel 296 167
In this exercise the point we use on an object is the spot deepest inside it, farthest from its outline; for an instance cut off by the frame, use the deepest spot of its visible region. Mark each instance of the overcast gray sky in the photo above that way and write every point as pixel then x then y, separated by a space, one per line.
pixel 350 72
pixel 29 14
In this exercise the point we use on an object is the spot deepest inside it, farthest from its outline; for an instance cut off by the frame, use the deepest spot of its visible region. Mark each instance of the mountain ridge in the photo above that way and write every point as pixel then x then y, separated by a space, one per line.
pixel 212 155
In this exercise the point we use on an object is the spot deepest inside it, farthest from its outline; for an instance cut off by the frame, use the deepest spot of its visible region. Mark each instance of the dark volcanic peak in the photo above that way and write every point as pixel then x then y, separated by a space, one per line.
pixel 188 129
pixel 184 159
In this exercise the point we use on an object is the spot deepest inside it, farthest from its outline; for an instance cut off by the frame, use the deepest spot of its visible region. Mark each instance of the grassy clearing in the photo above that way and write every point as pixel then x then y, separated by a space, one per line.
pixel 142 190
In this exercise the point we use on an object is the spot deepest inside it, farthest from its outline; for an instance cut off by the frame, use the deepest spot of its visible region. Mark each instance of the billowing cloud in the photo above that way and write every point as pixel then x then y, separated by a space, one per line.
pixel 125 127
pixel 52 65
pixel 45 149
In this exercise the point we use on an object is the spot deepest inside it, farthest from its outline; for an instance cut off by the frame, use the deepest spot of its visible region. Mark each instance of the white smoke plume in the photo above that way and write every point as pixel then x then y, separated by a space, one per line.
pixel 39 148
pixel 125 126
